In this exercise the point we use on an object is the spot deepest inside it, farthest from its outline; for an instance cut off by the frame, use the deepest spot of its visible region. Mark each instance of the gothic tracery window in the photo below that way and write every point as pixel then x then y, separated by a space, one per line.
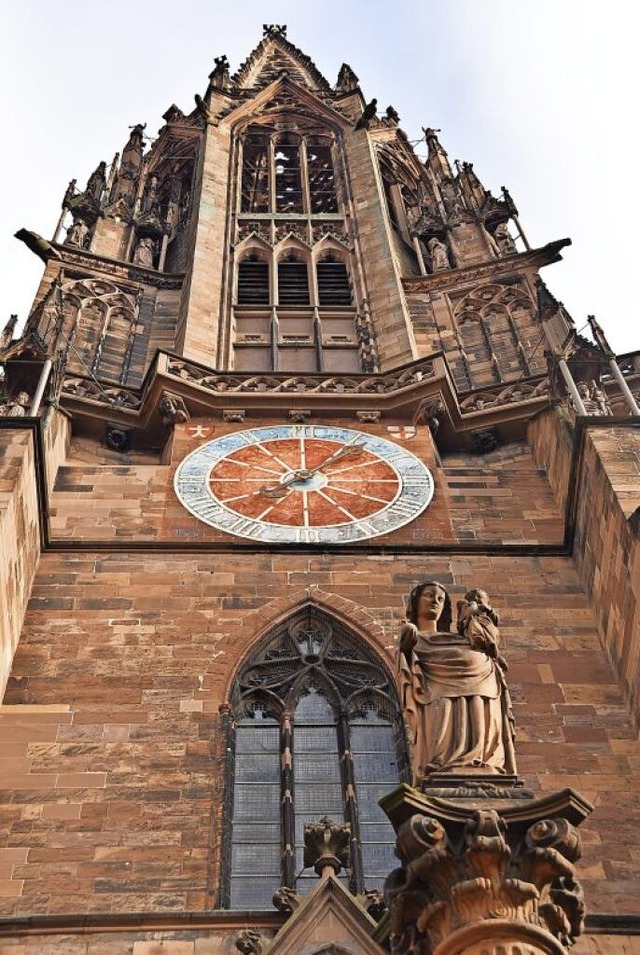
pixel 317 732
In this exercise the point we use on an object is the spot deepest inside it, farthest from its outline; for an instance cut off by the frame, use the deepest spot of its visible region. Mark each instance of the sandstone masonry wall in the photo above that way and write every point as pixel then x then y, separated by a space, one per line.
pixel 19 537
pixel 502 497
pixel 607 547
pixel 111 738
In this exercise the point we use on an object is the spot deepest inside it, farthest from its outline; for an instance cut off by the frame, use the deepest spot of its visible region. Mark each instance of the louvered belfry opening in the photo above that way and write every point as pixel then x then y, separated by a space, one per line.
pixel 293 282
pixel 313 691
pixel 334 287
pixel 253 281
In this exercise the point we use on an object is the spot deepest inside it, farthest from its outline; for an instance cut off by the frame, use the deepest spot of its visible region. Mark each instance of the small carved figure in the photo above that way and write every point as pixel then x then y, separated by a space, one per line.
pixel 504 240
pixel 136 137
pixel 392 114
pixel 590 406
pixel 367 115
pixel 286 899
pixel 77 234
pixel 172 410
pixel 144 252
pixel 599 395
pixel 96 182
pixel 151 201
pixel 17 408
pixel 250 942
pixel 454 693
pixel 69 194
pixel 439 255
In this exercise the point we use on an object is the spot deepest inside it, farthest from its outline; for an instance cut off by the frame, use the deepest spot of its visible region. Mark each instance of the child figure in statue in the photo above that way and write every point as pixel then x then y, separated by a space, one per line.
pixel 453 689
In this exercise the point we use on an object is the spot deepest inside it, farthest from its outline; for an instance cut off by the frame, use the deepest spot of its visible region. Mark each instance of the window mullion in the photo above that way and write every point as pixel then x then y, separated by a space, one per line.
pixel 288 814
pixel 272 175
pixel 317 336
pixel 275 334
pixel 304 176
pixel 356 879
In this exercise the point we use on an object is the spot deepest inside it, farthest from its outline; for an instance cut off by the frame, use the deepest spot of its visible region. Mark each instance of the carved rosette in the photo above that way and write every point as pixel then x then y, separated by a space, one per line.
pixel 485 881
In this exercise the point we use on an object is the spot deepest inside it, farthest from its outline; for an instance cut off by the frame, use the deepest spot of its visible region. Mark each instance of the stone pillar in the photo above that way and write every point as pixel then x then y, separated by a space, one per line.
pixel 484 877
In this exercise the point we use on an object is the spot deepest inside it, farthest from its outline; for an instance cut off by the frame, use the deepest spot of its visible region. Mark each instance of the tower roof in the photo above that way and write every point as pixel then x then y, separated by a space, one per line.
pixel 275 54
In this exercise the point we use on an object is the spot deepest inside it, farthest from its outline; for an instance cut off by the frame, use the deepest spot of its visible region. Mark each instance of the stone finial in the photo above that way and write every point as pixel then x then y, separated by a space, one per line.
pixel 327 846
pixel 474 880
pixel 347 79
pixel 6 335
pixel 272 30
pixel 219 77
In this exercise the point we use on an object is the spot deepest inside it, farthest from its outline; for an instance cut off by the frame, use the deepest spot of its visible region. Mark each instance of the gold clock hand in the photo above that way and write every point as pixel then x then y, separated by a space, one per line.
pixel 301 474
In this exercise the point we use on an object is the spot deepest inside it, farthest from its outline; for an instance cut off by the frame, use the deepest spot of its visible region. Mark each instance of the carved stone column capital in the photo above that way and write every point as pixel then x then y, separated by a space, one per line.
pixel 474 881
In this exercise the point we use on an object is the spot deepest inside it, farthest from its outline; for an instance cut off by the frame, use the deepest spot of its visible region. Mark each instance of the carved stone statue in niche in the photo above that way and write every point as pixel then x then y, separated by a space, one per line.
pixel 16 408
pixel 439 256
pixel 77 234
pixel 504 240
pixel 594 398
pixel 144 252
pixel 454 694
pixel 96 182
pixel 151 200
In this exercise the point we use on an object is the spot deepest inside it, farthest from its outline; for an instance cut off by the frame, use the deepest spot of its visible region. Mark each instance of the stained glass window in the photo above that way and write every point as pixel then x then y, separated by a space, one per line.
pixel 317 732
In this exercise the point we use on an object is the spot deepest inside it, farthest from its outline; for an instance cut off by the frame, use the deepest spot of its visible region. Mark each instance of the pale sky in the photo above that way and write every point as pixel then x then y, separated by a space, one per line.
pixel 538 94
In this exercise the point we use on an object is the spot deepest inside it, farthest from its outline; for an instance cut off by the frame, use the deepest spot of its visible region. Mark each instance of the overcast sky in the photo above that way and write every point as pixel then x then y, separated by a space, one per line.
pixel 539 94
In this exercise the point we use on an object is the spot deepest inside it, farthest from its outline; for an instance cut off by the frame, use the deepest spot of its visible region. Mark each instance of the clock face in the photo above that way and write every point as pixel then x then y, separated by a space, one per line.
pixel 303 484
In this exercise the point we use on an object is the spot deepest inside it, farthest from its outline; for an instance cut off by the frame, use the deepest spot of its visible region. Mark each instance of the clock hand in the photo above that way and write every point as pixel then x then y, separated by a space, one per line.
pixel 301 474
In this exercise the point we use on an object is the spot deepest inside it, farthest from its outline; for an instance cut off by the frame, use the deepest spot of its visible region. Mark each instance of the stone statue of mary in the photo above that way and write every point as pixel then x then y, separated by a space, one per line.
pixel 453 689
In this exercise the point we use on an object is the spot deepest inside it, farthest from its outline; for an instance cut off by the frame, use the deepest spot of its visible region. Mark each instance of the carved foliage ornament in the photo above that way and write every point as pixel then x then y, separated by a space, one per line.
pixel 489 873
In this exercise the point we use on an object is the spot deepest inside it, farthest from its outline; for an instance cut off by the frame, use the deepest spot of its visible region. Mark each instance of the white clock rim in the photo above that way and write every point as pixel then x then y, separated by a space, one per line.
pixel 288 431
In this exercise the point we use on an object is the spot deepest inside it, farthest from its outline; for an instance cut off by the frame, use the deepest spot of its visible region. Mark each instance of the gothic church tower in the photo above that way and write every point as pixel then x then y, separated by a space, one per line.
pixel 280 370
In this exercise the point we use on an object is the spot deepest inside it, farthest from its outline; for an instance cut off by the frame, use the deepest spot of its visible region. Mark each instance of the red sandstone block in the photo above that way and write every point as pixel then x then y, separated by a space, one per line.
pixel 11 888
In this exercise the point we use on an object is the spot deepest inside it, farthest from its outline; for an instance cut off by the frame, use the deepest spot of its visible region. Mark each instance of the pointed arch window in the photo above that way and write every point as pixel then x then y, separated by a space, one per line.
pixel 317 732
pixel 287 173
